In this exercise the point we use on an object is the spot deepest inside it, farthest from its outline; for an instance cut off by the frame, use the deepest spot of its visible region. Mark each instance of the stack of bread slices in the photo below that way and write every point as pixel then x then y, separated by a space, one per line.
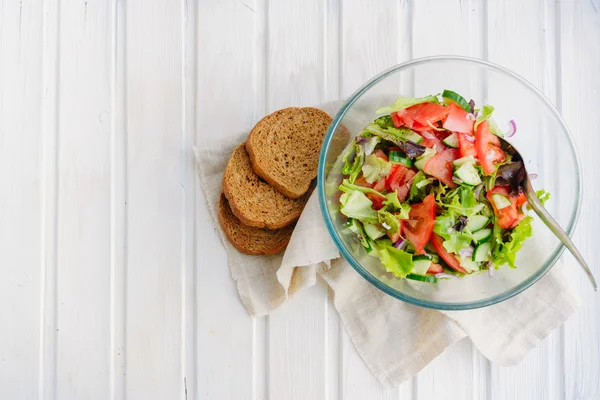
pixel 269 179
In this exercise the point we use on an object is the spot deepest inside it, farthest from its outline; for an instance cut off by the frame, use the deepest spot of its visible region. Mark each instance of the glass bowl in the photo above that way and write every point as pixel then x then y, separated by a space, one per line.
pixel 542 138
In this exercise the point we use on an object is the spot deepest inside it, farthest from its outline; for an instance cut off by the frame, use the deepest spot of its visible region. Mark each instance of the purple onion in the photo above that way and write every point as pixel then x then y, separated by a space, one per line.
pixel 491 268
pixel 456 180
pixel 470 138
pixel 490 155
pixel 533 176
pixel 400 244
pixel 466 252
pixel 471 106
pixel 361 139
pixel 442 275
pixel 471 117
pixel 512 129
pixel 477 190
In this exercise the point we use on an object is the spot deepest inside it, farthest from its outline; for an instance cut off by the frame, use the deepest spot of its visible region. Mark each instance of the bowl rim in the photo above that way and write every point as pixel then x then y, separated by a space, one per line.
pixel 393 292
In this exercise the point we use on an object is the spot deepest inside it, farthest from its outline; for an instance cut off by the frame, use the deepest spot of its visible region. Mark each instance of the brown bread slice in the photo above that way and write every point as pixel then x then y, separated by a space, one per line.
pixel 250 240
pixel 284 148
pixel 254 201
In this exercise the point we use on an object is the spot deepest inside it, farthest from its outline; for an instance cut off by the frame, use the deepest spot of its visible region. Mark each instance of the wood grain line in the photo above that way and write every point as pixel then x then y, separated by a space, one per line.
pixel 50 137
pixel 118 202
pixel 188 207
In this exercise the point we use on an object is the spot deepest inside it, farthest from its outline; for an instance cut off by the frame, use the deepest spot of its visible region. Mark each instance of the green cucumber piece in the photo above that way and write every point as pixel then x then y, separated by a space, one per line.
pixel 422 278
pixel 414 137
pixel 464 160
pixel 355 226
pixel 420 163
pixel 400 158
pixel 451 141
pixel 421 266
pixel 422 257
pixel 457 98
pixel 476 222
pixel 373 231
pixel 501 200
pixel 482 235
pixel 468 174
pixel 483 252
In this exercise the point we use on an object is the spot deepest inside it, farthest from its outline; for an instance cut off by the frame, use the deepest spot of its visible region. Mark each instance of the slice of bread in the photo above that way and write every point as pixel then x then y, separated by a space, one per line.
pixel 284 148
pixel 250 240
pixel 254 201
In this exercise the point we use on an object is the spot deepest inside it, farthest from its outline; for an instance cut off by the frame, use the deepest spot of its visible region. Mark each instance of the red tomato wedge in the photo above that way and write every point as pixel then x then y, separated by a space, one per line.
pixel 363 182
pixel 397 119
pixel 506 216
pixel 396 177
pixel 457 120
pixel 433 143
pixel 417 116
pixel 521 199
pixel 488 148
pixel 404 190
pixel 440 166
pixel 377 200
pixel 419 227
pixel 435 269
pixel 465 146
pixel 380 185
pixel 438 245
pixel 379 153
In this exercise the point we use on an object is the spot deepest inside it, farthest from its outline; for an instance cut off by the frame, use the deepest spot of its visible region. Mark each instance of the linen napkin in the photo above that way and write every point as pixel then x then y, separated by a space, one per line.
pixel 395 339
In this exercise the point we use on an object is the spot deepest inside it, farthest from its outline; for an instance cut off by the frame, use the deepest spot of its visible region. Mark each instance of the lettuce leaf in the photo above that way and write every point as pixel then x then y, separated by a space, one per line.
pixel 397 262
pixel 368 146
pixel 352 168
pixel 355 204
pixel 457 242
pixel 348 187
pixel 404 102
pixel 375 168
pixel 543 196
pixel 506 252
pixel 389 221
pixel 486 113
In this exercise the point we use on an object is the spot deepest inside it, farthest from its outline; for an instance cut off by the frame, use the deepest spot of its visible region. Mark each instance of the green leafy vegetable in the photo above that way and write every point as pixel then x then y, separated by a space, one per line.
pixel 506 252
pixel 404 211
pixel 353 167
pixel 397 262
pixel 543 196
pixel 392 203
pixel 486 113
pixel 442 226
pixel 348 187
pixel 356 204
pixel 418 190
pixel 405 102
pixel 375 168
pixel 385 121
pixel 457 242
pixel 369 146
pixel 389 221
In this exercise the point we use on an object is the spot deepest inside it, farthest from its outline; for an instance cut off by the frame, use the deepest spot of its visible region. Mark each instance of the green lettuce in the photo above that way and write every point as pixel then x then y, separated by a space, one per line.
pixel 397 262
pixel 347 187
pixel 369 146
pixel 375 168
pixel 355 204
pixel 385 121
pixel 543 196
pixel 389 221
pixel 353 168
pixel 418 190
pixel 457 242
pixel 404 102
pixel 506 252
pixel 486 113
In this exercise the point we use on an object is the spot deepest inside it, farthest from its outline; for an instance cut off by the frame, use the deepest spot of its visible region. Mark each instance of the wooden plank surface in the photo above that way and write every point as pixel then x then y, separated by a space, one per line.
pixel 112 280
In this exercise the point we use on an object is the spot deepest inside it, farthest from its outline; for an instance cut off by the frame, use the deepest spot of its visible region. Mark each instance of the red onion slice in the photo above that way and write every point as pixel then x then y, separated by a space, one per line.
pixel 512 129
pixel 490 156
pixel 466 252
pixel 456 180
pixel 400 244
pixel 477 191
pixel 443 275
pixel 491 268
pixel 470 138
pixel 471 117
pixel 427 135
pixel 533 176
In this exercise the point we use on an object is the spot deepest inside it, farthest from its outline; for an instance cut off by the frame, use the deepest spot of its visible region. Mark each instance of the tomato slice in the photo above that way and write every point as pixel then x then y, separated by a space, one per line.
pixel 377 200
pixel 438 245
pixel 457 120
pixel 521 199
pixel 488 148
pixel 417 116
pixel 465 146
pixel 433 143
pixel 363 182
pixel 397 119
pixel 419 227
pixel 435 269
pixel 440 166
pixel 379 153
pixel 396 177
pixel 380 185
pixel 506 216
pixel 404 190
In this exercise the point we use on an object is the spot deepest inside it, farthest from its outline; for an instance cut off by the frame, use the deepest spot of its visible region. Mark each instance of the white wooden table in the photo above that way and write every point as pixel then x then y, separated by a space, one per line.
pixel 113 283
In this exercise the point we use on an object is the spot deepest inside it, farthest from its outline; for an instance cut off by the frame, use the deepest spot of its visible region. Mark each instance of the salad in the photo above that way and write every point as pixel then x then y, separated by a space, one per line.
pixel 428 190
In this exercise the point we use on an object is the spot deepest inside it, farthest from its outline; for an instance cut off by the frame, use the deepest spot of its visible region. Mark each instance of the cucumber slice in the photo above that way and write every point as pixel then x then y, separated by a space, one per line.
pixel 464 160
pixel 451 141
pixel 435 258
pixel 420 163
pixel 482 235
pixel 373 231
pixel 483 252
pixel 468 174
pixel 422 278
pixel 501 200
pixel 422 257
pixel 457 98
pixel 414 137
pixel 355 226
pixel 400 158
pixel 476 223
pixel 421 266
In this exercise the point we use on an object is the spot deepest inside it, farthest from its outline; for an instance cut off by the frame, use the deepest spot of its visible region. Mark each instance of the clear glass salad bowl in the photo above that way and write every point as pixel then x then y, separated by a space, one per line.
pixel 542 138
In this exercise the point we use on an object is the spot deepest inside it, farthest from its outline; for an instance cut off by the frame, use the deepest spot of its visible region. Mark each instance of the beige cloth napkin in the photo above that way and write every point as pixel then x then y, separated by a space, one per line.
pixel 395 339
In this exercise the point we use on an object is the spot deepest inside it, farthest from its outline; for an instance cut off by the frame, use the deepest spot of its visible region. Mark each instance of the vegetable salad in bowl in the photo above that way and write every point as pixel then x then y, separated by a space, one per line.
pixel 428 190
